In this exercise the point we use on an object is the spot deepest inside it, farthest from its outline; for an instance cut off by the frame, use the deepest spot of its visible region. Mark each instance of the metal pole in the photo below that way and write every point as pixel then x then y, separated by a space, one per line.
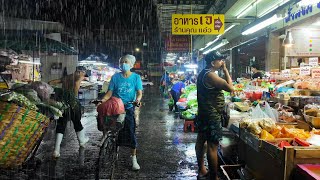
pixel 191 39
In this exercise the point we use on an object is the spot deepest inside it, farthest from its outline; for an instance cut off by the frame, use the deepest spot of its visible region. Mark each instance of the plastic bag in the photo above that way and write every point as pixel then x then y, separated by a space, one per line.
pixel 270 112
pixel 192 95
pixel 258 113
pixel 114 106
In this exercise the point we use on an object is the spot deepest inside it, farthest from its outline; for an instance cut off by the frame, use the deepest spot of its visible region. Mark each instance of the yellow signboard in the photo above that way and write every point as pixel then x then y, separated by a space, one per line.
pixel 197 24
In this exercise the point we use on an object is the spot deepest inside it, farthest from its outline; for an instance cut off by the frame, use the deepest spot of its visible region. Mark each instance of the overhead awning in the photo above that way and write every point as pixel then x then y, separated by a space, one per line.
pixel 43 45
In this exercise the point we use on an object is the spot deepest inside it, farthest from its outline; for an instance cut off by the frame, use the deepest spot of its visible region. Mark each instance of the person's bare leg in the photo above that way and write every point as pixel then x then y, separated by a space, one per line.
pixel 133 152
pixel 200 154
pixel 212 155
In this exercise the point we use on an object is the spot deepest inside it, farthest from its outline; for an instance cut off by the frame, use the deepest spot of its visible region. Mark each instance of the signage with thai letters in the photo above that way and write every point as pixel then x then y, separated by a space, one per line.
pixel 197 24
pixel 305 71
pixel 315 73
pixel 178 43
pixel 313 61
pixel 286 72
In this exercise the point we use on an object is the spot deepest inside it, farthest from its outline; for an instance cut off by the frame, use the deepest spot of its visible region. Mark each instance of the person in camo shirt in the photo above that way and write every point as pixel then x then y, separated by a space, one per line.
pixel 69 94
pixel 210 106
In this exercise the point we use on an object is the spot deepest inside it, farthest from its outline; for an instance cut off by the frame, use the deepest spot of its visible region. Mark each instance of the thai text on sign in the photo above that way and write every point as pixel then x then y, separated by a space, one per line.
pixel 305 71
pixel 197 24
pixel 315 73
pixel 178 43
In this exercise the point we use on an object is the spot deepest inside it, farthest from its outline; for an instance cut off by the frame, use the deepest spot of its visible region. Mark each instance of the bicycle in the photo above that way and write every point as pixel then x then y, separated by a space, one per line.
pixel 109 149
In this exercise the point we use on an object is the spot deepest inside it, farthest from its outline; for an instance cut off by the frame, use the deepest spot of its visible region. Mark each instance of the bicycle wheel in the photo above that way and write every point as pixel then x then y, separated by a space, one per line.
pixel 107 158
pixel 102 162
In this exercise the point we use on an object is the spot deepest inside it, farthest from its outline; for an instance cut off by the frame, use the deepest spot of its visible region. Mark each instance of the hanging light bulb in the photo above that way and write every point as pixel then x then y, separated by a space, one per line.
pixel 288 41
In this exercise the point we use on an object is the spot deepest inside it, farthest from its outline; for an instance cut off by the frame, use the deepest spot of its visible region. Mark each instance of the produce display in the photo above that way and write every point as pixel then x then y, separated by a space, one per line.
pixel 35 96
pixel 188 102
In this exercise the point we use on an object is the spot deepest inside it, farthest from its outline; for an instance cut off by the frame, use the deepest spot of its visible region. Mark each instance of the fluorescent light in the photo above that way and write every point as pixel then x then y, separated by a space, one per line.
pixel 316 23
pixel 93 63
pixel 211 42
pixel 247 9
pixel 191 66
pixel 180 72
pixel 30 62
pixel 307 2
pixel 275 6
pixel 261 25
pixel 228 29
pixel 201 49
pixel 216 47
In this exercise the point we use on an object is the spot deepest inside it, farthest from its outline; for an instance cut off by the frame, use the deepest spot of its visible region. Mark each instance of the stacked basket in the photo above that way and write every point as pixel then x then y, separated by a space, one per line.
pixel 20 130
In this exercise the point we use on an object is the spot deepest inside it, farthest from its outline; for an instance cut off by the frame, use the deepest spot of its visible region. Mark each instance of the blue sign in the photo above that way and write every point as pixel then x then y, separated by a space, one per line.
pixel 304 10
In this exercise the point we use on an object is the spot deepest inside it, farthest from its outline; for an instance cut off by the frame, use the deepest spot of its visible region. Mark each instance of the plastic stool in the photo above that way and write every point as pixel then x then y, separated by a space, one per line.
pixel 187 123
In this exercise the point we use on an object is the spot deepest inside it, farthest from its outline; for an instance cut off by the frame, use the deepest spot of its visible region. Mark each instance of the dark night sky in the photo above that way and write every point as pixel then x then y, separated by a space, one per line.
pixel 127 23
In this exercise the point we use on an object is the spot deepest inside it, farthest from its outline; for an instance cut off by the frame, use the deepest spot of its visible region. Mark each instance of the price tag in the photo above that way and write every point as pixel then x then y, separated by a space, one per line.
pixel 313 61
pixel 315 73
pixel 286 72
pixel 305 71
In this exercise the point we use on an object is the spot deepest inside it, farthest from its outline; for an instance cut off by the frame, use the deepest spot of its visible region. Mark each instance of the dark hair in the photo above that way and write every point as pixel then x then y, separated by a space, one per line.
pixel 81 68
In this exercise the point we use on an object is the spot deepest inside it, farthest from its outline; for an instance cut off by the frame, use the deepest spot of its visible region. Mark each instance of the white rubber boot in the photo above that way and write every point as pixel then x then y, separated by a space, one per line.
pixel 135 165
pixel 82 138
pixel 56 152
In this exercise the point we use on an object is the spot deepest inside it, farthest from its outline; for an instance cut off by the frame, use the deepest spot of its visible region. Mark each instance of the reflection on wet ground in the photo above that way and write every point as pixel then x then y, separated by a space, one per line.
pixel 164 150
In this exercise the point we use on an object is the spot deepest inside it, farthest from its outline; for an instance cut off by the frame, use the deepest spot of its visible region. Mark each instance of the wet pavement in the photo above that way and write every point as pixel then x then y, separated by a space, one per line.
pixel 164 150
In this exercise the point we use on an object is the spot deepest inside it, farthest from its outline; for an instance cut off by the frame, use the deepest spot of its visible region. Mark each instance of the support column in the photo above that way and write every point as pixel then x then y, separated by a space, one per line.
pixel 273 52
pixel 235 63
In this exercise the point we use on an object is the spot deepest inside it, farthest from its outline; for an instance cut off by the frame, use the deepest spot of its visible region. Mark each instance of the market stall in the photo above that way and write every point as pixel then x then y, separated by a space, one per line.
pixel 276 120
pixel 100 74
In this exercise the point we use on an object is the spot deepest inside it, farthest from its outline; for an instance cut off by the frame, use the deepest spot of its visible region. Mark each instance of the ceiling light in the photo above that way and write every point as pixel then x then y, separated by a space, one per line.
pixel 247 9
pixel 316 23
pixel 261 25
pixel 228 29
pixel 191 66
pixel 224 42
pixel 275 6
pixel 29 62
pixel 201 49
pixel 288 41
pixel 307 2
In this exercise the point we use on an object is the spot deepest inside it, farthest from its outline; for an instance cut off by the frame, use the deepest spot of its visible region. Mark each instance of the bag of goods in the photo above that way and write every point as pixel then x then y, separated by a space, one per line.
pixel 292 133
pixel 19 99
pixel 276 131
pixel 192 103
pixel 265 135
pixel 244 123
pixel 107 112
pixel 43 89
pixel 187 115
pixel 114 106
pixel 267 124
pixel 190 88
pixel 182 100
pixel 192 96
pixel 254 128
pixel 182 105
